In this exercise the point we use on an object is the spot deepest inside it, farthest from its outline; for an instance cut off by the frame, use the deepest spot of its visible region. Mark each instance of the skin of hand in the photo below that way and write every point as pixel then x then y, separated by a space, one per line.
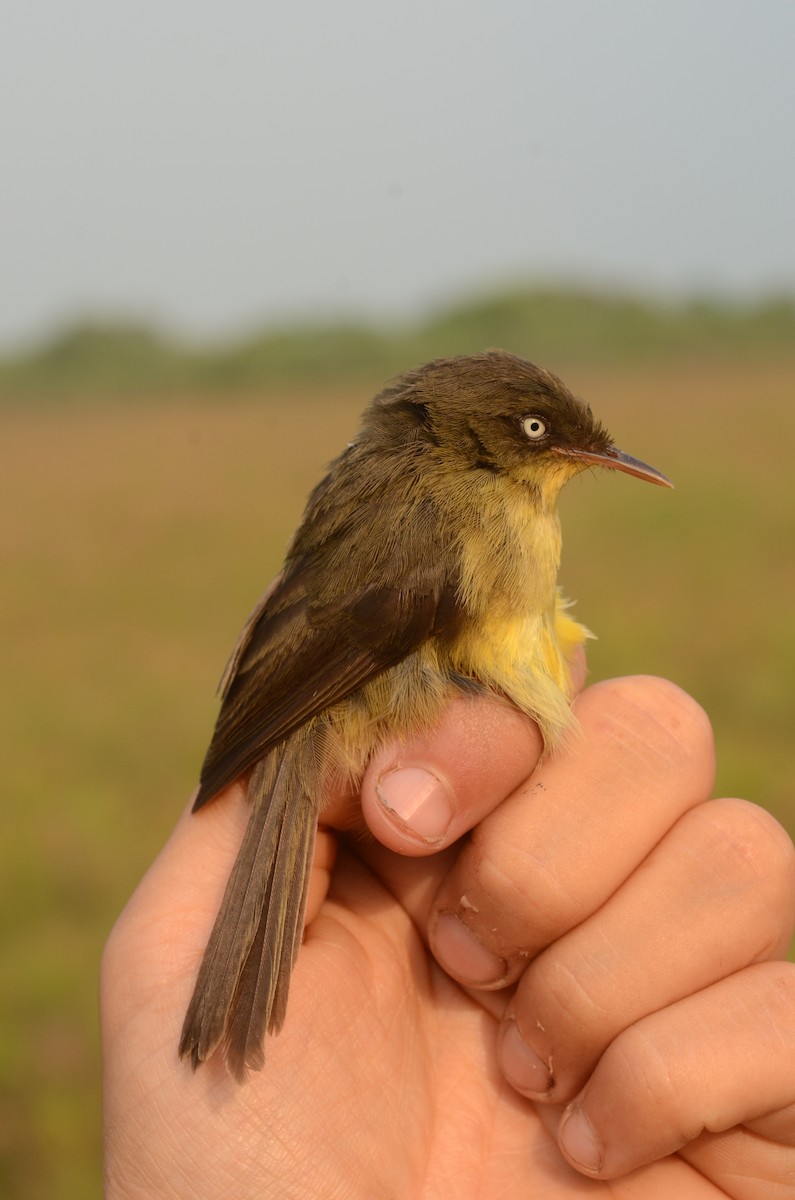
pixel 585 994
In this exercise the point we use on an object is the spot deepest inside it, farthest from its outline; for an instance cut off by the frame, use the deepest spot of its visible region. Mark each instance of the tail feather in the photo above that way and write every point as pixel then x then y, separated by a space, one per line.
pixel 260 1000
pixel 243 981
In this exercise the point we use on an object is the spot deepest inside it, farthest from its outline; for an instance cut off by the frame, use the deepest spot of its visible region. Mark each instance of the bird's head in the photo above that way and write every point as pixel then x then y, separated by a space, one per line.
pixel 498 413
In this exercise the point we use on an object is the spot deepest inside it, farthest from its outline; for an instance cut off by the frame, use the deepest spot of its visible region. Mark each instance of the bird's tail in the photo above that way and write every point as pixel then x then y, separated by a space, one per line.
pixel 244 978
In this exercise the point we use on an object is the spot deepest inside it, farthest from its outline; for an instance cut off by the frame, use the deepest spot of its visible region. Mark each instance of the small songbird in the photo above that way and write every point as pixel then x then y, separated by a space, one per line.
pixel 425 566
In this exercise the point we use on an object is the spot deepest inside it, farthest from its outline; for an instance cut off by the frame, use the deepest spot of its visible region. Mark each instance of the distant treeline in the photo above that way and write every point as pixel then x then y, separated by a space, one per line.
pixel 554 327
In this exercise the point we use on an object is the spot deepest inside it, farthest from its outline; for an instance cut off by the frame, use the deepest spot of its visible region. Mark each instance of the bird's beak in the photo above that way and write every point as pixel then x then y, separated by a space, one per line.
pixel 618 461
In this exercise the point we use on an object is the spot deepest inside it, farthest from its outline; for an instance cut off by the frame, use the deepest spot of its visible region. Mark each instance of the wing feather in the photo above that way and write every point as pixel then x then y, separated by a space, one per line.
pixel 295 664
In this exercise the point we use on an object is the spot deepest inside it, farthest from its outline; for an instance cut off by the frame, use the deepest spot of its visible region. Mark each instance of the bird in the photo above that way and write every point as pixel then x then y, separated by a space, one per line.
pixel 425 566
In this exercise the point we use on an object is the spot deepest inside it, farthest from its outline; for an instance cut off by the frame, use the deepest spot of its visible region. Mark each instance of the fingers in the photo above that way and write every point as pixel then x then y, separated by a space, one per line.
pixel 556 850
pixel 725 865
pixel 627 909
pixel 666 1080
pixel 420 796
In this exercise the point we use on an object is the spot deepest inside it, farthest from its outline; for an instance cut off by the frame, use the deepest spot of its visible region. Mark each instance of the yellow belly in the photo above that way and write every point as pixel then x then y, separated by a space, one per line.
pixel 528 658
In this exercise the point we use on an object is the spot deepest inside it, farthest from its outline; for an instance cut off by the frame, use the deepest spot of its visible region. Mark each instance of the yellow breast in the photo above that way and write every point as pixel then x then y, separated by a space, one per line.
pixel 519 638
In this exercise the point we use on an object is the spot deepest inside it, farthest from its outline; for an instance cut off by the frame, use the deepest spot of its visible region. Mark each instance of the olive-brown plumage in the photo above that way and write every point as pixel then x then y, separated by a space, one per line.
pixel 426 562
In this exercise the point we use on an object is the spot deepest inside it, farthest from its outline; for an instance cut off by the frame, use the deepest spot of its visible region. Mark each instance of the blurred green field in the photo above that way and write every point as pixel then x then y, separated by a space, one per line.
pixel 135 539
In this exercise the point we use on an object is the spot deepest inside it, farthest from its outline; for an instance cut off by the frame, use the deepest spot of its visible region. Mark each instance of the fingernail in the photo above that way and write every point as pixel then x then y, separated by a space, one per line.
pixel 462 955
pixel 418 799
pixel 578 1139
pixel 521 1066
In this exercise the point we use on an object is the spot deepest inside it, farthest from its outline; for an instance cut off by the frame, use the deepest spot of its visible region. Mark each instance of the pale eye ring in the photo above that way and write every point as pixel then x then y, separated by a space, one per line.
pixel 534 428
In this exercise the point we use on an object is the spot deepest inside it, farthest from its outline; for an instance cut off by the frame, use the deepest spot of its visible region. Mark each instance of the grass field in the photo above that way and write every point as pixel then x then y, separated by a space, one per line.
pixel 135 539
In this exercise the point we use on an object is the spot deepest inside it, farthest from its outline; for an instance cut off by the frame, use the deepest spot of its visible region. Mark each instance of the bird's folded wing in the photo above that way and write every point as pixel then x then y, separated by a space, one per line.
pixel 295 658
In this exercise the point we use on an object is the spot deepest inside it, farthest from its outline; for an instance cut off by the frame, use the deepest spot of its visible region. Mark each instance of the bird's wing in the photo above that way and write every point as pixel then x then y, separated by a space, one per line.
pixel 295 658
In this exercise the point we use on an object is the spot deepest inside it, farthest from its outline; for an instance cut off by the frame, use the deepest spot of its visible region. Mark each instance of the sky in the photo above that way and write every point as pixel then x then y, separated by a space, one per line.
pixel 217 167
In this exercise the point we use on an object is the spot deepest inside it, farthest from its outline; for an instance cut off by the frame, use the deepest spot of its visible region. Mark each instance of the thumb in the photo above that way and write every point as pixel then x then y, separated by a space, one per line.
pixel 421 793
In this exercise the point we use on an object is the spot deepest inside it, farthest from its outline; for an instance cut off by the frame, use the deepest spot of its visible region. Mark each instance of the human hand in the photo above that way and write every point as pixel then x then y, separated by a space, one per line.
pixel 632 933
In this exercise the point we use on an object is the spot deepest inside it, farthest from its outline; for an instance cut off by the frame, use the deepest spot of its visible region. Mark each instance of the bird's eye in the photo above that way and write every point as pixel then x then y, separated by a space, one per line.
pixel 534 428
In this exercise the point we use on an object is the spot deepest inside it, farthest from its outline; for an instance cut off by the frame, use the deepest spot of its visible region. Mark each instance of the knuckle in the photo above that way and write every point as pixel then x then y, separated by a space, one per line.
pixel 659 715
pixel 750 845
pixel 656 1083
pixel 751 861
pixel 521 883
pixel 586 1017
pixel 777 999
pixel 642 1068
